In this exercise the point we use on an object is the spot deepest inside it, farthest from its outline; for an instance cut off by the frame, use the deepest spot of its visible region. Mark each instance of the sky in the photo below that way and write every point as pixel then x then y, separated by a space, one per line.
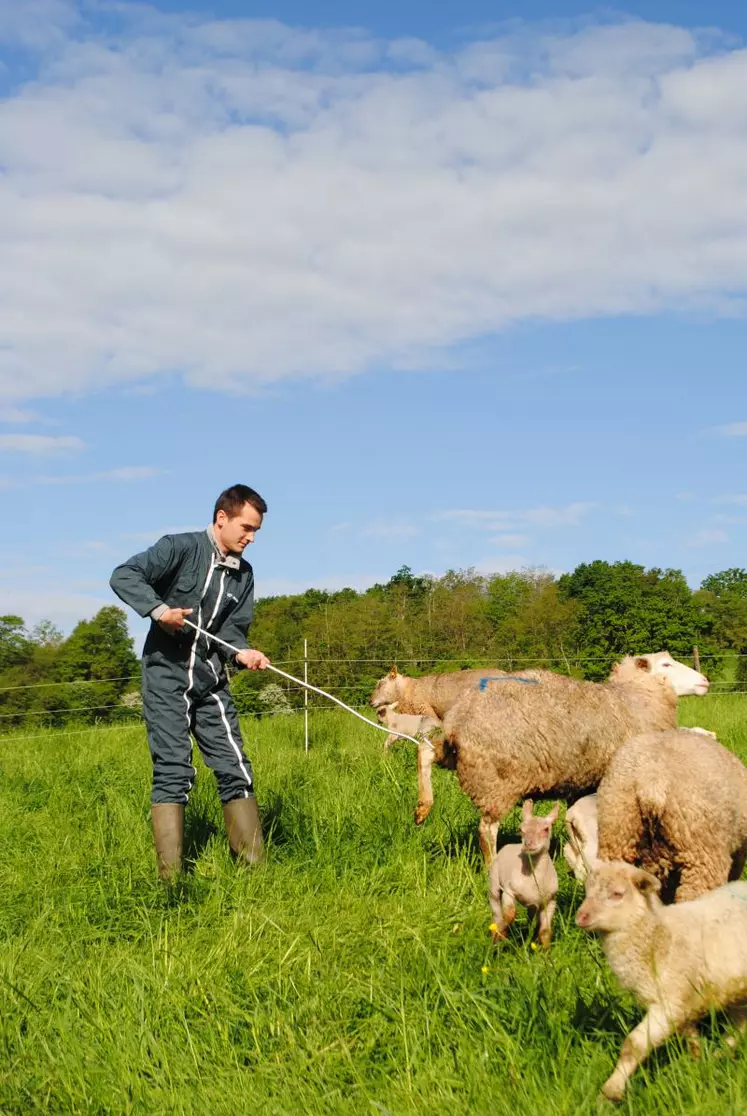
pixel 452 286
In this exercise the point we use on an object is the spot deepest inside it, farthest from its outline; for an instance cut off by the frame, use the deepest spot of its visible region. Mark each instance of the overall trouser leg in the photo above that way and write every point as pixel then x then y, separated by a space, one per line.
pixel 216 727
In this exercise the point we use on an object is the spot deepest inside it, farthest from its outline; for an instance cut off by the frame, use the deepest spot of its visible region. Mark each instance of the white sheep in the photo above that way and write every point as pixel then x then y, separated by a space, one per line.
pixel 681 961
pixel 526 873
pixel 581 848
pixel 411 724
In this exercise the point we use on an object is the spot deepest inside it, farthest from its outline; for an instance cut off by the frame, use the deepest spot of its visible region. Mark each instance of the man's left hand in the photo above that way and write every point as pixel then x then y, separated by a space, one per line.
pixel 252 660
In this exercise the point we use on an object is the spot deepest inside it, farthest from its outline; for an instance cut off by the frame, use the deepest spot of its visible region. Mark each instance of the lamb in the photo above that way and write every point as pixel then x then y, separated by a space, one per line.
pixel 432 696
pixel 555 739
pixel 525 872
pixel 676 803
pixel 581 848
pixel 411 724
pixel 681 961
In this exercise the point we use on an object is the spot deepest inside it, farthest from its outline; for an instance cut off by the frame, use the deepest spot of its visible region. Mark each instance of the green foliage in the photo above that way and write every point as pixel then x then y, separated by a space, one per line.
pixel 353 974
pixel 15 646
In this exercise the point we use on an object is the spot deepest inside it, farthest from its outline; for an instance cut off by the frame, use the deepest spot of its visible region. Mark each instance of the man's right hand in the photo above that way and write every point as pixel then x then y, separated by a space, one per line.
pixel 173 619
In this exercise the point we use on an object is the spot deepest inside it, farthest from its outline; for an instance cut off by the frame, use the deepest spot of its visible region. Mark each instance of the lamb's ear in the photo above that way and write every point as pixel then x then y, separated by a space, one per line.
pixel 552 816
pixel 645 882
pixel 393 672
pixel 642 664
pixel 527 809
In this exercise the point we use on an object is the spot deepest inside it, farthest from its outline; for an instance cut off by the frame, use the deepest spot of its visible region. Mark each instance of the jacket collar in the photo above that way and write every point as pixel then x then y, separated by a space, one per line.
pixel 229 560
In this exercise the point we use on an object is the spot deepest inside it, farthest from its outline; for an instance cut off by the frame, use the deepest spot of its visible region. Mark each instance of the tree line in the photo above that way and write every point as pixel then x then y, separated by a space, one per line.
pixel 578 624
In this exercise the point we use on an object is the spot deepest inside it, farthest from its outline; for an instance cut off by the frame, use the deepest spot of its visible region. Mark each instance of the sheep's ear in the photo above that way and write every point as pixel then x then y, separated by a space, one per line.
pixel 393 672
pixel 645 882
pixel 642 664
pixel 551 817
pixel 527 809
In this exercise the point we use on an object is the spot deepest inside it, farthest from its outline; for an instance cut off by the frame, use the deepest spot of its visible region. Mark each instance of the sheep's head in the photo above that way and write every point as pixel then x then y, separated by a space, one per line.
pixel 682 679
pixel 536 832
pixel 383 712
pixel 616 892
pixel 387 689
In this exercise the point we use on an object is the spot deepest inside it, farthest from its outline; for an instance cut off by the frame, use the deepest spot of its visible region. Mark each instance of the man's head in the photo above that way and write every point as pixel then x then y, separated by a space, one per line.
pixel 237 517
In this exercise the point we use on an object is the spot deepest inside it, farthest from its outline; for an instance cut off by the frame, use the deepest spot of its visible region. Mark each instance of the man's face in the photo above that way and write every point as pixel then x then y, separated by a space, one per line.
pixel 235 533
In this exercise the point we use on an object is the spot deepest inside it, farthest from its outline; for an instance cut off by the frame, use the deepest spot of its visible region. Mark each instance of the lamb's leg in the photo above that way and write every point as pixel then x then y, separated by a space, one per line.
pixel 487 831
pixel 426 754
pixel 390 740
pixel 654 1029
pixel 704 875
pixel 504 912
pixel 545 924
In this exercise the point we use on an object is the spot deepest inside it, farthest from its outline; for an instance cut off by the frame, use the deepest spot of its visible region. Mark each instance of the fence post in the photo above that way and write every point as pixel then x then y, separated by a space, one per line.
pixel 306 695
pixel 696 659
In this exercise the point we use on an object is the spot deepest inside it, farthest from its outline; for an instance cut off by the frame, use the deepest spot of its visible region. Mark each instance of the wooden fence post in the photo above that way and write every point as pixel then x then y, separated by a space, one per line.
pixel 696 659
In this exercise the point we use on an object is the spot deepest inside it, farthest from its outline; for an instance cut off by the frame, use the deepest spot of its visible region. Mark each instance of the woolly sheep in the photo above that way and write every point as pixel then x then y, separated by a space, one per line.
pixel 580 850
pixel 433 695
pixel 411 724
pixel 526 873
pixel 680 961
pixel 676 803
pixel 557 738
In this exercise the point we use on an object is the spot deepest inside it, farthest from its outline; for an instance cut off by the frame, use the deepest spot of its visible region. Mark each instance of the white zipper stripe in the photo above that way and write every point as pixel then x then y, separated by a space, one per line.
pixel 217 603
pixel 234 745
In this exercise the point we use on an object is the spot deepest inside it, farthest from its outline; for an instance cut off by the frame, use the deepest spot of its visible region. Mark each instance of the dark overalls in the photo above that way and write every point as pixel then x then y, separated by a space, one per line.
pixel 185 688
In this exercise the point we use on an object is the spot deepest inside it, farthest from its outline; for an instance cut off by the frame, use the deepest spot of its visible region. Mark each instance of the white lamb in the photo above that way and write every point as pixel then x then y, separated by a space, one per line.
pixel 681 961
pixel 581 848
pixel 411 724
pixel 525 873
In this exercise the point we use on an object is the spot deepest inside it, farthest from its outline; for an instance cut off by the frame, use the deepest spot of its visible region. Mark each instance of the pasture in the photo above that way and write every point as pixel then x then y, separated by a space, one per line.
pixel 353 974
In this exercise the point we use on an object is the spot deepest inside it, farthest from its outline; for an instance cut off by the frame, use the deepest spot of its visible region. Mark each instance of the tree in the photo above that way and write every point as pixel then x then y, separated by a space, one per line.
pixel 15 646
pixel 100 650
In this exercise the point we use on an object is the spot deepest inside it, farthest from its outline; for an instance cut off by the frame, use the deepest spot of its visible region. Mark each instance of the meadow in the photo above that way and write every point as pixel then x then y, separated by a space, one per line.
pixel 354 973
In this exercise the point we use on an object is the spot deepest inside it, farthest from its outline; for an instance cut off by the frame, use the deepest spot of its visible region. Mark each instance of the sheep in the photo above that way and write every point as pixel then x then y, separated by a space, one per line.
pixel 433 695
pixel 680 961
pixel 676 803
pixel 411 724
pixel 525 872
pixel 580 850
pixel 557 738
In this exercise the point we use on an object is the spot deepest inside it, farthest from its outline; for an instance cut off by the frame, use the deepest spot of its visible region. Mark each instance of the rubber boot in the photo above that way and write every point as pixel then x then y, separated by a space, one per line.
pixel 244 829
pixel 168 834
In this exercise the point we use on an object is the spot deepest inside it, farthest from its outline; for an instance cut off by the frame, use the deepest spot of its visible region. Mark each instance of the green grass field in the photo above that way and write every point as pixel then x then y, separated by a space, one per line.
pixel 353 974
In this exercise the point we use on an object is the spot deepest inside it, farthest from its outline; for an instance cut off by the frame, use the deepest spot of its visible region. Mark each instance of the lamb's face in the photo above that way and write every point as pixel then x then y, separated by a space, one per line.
pixel 386 691
pixel 384 713
pixel 535 835
pixel 683 679
pixel 615 893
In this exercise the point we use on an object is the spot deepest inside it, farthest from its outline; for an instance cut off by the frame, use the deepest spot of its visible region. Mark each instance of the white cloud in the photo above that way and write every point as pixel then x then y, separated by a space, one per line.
pixel 543 517
pixel 733 430
pixel 39 444
pixel 709 536
pixel 738 498
pixel 249 184
pixel 17 415
pixel 64 608
pixel 124 474
pixel 511 542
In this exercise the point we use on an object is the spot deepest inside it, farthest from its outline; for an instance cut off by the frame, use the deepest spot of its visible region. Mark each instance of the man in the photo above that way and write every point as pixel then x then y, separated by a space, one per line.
pixel 202 575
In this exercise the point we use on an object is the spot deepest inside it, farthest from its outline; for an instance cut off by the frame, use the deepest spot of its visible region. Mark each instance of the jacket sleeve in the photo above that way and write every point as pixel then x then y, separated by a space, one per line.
pixel 133 581
pixel 235 627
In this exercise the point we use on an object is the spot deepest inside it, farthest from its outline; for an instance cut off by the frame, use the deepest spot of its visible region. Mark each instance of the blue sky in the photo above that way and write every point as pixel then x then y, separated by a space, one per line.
pixel 450 287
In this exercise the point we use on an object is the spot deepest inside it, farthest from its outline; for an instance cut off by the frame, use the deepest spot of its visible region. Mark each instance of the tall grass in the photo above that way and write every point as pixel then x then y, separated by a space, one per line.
pixel 353 974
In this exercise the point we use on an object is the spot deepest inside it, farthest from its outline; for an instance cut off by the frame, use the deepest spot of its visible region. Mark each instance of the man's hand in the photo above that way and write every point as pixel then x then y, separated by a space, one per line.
pixel 173 619
pixel 252 660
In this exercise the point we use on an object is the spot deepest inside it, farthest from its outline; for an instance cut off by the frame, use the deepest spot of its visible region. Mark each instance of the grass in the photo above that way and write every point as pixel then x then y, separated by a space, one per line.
pixel 353 974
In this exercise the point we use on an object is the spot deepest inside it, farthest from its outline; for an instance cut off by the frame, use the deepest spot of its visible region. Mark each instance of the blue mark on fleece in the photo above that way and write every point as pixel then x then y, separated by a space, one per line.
pixel 482 685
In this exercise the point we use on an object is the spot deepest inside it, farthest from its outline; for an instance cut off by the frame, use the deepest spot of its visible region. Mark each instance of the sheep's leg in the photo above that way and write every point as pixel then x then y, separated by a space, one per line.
pixel 654 1029
pixel 426 753
pixel 705 875
pixel 737 863
pixel 690 1033
pixel 487 831
pixel 390 740
pixel 620 827
pixel 738 1018
pixel 545 924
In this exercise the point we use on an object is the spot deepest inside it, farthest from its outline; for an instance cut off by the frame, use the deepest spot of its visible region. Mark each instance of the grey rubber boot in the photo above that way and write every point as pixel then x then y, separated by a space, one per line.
pixel 244 829
pixel 168 835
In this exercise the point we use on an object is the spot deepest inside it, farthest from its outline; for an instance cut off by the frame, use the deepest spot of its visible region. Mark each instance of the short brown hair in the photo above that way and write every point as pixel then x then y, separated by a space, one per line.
pixel 232 500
